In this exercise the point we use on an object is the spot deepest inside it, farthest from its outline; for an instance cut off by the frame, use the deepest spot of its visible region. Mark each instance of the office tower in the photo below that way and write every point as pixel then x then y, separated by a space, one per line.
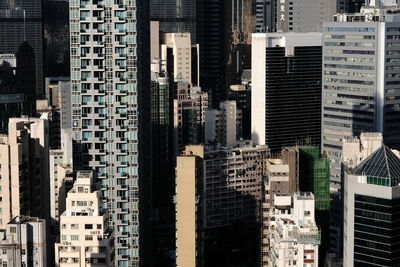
pixel 286 89
pixel 23 242
pixel 294 236
pixel 175 16
pixel 294 15
pixel 85 236
pixel 265 20
pixel 371 202
pixel 181 58
pixel 223 125
pixel 17 96
pixel 111 115
pixel 56 38
pixel 189 207
pixel 354 151
pixel 21 29
pixel 241 93
pixel 359 80
pixel 190 104
pixel 210 37
pixel 24 169
pixel 233 184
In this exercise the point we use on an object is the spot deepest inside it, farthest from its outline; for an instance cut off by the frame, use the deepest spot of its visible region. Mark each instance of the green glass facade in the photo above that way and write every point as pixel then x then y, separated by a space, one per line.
pixel 314 175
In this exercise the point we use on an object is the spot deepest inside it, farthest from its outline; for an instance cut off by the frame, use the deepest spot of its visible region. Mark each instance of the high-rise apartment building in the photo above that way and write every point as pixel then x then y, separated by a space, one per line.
pixel 175 16
pixel 24 170
pixel 111 114
pixel 85 236
pixel 360 79
pixel 223 125
pixel 286 89
pixel 23 243
pixel 189 208
pixel 371 204
pixel 294 237
pixel 21 32
pixel 233 179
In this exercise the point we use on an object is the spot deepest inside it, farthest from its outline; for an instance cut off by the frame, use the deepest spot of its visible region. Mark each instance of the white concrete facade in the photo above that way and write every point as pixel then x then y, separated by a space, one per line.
pixel 293 234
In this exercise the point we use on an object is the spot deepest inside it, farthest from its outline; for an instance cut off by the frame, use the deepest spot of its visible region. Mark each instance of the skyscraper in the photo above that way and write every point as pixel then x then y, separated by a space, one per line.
pixel 21 22
pixel 360 79
pixel 294 15
pixel 175 16
pixel 371 205
pixel 286 89
pixel 111 114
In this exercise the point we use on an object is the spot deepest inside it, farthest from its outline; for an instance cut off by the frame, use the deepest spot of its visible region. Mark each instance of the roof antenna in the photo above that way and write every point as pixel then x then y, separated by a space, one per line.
pixel 24 28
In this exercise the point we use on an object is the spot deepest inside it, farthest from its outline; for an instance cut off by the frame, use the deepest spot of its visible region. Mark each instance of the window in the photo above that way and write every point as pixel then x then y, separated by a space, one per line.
pixel 88 226
pixel 74 226
pixel 88 237
pixel 74 237
pixel 13 229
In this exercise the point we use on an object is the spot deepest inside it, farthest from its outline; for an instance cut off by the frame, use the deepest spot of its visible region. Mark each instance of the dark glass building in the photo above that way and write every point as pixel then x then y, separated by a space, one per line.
pixel 286 89
pixel 372 211
pixel 21 20
pixel 175 16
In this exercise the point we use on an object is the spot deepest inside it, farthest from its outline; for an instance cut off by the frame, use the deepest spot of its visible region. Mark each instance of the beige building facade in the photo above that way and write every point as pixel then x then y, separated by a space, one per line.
pixel 85 237
pixel 189 208
pixel 24 169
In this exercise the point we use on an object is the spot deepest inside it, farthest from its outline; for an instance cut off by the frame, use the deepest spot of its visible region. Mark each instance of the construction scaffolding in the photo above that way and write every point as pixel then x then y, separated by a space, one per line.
pixel 314 175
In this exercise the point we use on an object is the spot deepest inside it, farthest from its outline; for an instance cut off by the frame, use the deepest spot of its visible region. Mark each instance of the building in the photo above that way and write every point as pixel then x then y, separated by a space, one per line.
pixel 189 208
pixel 360 79
pixel 61 179
pixel 233 184
pixel 56 38
pixel 16 92
pixel 286 89
pixel 85 236
pixel 111 123
pixel 190 104
pixel 314 177
pixel 223 126
pixel 354 151
pixel 23 242
pixel 175 16
pixel 24 169
pixel 58 105
pixel 294 16
pixel 280 178
pixel 371 202
pixel 181 59
pixel 294 237
pixel 210 37
pixel 265 20
pixel 21 32
pixel 241 93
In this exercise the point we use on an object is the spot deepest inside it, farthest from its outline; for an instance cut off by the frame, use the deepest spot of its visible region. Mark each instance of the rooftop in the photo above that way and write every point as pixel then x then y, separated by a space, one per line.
pixel 382 163
pixel 25 219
